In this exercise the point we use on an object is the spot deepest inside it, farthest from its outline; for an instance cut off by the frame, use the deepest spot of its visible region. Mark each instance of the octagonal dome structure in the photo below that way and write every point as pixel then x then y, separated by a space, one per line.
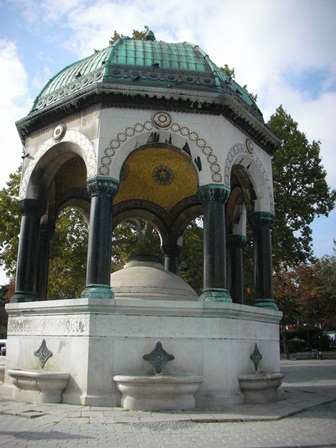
pixel 151 131
pixel 143 72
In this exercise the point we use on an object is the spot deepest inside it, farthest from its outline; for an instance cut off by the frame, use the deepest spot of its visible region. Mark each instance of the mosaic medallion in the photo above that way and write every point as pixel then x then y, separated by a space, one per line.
pixel 163 175
pixel 249 145
pixel 162 119
pixel 59 132
pixel 43 353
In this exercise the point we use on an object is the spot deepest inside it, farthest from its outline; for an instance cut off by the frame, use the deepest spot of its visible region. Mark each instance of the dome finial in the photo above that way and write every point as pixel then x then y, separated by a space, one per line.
pixel 149 34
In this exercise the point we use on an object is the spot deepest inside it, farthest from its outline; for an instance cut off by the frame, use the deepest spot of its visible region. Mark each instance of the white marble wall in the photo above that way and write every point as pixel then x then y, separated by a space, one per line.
pixel 95 339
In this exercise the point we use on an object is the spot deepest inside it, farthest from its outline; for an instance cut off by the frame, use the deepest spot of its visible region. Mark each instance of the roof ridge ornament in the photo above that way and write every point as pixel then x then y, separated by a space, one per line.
pixel 149 35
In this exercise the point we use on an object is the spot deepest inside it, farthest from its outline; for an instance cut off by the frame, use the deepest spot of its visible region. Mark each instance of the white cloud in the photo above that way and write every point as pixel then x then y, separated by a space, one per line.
pixel 14 103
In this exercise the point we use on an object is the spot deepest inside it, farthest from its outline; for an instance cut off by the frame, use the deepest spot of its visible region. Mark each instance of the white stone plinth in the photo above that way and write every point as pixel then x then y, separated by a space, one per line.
pixel 96 339
pixel 260 387
pixel 157 392
pixel 38 387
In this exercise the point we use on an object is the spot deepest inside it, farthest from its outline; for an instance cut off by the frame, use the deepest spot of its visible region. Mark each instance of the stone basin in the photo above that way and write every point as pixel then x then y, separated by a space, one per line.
pixel 260 387
pixel 158 392
pixel 37 386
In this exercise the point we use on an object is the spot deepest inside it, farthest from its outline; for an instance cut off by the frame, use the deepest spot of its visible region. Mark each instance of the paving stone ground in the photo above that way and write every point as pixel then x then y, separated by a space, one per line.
pixel 304 417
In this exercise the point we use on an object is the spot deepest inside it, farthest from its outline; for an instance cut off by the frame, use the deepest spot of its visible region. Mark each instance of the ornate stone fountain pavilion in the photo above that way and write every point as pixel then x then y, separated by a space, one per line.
pixel 156 131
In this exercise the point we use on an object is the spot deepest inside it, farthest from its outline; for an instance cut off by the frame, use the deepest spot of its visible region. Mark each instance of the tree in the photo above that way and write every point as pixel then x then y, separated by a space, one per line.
pixel 300 189
pixel 134 236
pixel 68 253
pixel 10 223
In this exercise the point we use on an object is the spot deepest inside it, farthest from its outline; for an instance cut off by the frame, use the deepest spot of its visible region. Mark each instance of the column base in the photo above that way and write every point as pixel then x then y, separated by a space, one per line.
pixel 266 303
pixel 215 295
pixel 23 296
pixel 97 292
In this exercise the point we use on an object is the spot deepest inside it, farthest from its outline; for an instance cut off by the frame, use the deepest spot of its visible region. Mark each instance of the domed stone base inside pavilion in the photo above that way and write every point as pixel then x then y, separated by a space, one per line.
pixel 143 277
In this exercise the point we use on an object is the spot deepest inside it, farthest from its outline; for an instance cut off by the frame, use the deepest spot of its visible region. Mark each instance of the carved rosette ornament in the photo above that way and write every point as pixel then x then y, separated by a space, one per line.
pixel 261 219
pixel 43 353
pixel 213 193
pixel 158 357
pixel 102 185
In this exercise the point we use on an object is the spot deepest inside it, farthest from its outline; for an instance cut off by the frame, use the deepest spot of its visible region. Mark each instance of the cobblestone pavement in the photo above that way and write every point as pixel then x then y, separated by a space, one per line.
pixel 305 417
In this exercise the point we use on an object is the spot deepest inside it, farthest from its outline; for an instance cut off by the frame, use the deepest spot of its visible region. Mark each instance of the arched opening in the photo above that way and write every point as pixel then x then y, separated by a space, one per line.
pixel 134 236
pixel 68 255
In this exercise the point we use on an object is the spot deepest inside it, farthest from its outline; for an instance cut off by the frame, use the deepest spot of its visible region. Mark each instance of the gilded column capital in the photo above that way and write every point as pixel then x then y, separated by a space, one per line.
pixel 261 219
pixel 102 185
pixel 213 193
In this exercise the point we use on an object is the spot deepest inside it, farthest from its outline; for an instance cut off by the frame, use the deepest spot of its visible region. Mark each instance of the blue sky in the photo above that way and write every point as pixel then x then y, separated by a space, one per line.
pixel 282 49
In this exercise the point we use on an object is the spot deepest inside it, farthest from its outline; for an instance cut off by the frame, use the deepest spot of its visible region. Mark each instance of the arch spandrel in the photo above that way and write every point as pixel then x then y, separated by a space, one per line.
pixel 133 136
pixel 79 144
pixel 240 154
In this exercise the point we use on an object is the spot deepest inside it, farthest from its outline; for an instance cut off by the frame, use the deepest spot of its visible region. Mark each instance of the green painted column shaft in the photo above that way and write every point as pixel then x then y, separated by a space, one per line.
pixel 235 244
pixel 102 190
pixel 26 271
pixel 263 272
pixel 213 198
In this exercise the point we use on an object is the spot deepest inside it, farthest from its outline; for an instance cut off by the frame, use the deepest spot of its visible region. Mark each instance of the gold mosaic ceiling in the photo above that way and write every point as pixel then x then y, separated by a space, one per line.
pixel 159 175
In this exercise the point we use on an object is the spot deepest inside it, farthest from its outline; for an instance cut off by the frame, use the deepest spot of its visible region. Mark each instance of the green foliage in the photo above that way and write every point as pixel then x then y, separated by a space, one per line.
pixel 137 35
pixel 134 236
pixel 191 257
pixel 10 224
pixel 68 253
pixel 228 71
pixel 300 189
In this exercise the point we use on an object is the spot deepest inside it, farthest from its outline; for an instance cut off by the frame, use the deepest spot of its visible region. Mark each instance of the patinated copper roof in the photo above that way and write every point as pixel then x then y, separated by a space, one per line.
pixel 144 63
pixel 148 73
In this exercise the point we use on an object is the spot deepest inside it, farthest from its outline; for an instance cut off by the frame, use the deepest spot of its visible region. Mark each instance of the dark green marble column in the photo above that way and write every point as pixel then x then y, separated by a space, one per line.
pixel 235 244
pixel 171 254
pixel 46 233
pixel 26 271
pixel 213 198
pixel 102 190
pixel 263 272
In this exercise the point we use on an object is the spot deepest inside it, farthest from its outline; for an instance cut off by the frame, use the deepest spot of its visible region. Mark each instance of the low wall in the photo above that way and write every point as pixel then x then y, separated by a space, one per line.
pixel 95 339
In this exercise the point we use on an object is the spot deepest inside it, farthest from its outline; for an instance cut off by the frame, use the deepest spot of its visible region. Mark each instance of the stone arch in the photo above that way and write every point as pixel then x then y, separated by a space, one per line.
pixel 125 140
pixel 257 173
pixel 78 144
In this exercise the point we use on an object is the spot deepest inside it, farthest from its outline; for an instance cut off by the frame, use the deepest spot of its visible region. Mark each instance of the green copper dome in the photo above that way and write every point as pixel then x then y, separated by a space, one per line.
pixel 148 64
pixel 148 74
